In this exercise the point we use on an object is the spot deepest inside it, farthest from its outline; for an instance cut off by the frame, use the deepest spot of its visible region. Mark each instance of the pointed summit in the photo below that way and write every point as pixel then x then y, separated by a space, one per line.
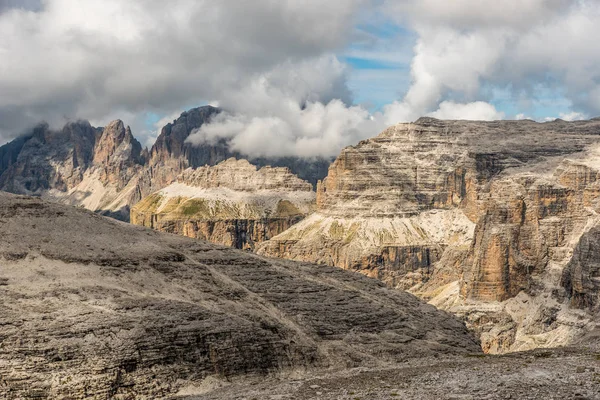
pixel 116 144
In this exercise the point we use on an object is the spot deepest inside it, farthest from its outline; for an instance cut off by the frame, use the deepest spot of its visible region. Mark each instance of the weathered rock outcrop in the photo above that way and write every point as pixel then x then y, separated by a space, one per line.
pixel 581 278
pixel 95 308
pixel 481 218
pixel 232 203
pixel 48 159
pixel 79 165
pixel 111 183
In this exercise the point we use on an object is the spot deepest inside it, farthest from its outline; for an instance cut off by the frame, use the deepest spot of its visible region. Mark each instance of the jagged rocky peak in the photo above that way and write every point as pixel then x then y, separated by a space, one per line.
pixel 171 143
pixel 240 175
pixel 106 170
pixel 488 219
pixel 93 308
pixel 48 158
pixel 116 144
pixel 232 203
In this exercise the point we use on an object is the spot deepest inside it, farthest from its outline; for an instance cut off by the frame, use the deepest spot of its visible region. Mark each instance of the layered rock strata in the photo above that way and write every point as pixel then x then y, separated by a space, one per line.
pixel 481 218
pixel 232 203
pixel 94 308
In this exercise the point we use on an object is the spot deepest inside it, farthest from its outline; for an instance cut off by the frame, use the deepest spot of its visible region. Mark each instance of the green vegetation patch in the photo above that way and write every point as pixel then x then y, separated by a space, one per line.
pixel 149 204
pixel 352 232
pixel 194 207
pixel 286 208
pixel 171 206
pixel 337 231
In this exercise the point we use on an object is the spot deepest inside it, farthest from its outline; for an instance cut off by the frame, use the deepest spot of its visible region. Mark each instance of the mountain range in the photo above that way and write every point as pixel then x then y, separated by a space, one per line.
pixel 496 222
pixel 106 170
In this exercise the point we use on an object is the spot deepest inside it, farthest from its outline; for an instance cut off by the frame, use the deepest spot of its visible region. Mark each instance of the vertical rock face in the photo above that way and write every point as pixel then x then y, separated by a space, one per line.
pixel 171 154
pixel 232 203
pixel 581 278
pixel 171 143
pixel 117 145
pixel 492 220
pixel 117 154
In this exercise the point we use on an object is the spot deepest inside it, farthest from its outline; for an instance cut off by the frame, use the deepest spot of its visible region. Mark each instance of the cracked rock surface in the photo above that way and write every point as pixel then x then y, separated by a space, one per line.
pixel 95 308
pixel 541 374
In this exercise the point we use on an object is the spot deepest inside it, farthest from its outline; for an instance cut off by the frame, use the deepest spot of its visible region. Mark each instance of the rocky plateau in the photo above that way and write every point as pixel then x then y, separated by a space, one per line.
pixel 96 308
pixel 232 203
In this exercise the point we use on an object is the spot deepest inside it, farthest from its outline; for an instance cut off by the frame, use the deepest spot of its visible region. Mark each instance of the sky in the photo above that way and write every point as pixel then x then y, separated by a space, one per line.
pixel 303 78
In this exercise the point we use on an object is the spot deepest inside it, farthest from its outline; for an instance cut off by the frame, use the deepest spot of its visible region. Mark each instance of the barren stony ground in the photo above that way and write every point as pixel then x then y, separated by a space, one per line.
pixel 539 374
pixel 96 308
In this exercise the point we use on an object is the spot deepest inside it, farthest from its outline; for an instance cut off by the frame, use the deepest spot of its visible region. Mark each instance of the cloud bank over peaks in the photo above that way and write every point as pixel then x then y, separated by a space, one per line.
pixel 274 66
pixel 294 110
pixel 96 59
pixel 477 110
pixel 302 110
pixel 316 130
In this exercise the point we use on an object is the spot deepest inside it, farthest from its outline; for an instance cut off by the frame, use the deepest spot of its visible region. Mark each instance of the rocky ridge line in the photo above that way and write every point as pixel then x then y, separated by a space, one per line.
pixel 105 169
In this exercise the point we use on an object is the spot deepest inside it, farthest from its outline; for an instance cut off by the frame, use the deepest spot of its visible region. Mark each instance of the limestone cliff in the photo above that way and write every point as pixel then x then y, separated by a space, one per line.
pixel 232 203
pixel 96 309
pixel 481 218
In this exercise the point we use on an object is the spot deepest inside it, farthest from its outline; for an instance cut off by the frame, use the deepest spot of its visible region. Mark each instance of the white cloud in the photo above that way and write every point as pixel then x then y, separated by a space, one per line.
pixel 316 130
pixel 477 110
pixel 291 111
pixel 97 58
pixel 466 47
pixel 473 14
pixel 572 116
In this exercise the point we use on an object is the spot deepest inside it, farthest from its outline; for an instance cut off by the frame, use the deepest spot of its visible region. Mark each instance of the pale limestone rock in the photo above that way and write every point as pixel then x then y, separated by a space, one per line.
pixel 232 203
pixel 480 218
